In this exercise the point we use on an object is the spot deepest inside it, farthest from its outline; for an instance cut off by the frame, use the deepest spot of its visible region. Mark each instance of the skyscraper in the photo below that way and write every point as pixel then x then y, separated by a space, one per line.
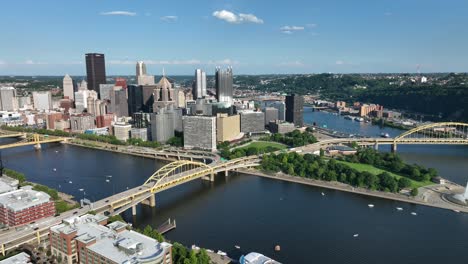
pixel 224 90
pixel 8 99
pixel 119 104
pixel 95 70
pixel 295 109
pixel 199 86
pixel 42 100
pixel 68 89
pixel 141 75
pixel 135 99
pixel 140 69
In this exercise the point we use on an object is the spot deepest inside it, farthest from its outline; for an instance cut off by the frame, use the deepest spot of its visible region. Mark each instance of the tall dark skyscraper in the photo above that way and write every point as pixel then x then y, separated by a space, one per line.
pixel 135 99
pixel 295 109
pixel 95 71
pixel 224 90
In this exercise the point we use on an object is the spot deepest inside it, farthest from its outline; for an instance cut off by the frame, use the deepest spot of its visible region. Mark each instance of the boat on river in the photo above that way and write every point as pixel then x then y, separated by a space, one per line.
pixel 384 135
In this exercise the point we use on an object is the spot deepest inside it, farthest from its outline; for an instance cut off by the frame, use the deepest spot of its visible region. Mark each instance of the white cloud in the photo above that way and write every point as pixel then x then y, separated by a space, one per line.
pixel 118 13
pixel 240 18
pixel 250 18
pixel 296 63
pixel 313 25
pixel 339 62
pixel 176 62
pixel 291 29
pixel 31 62
pixel 388 13
pixel 169 18
pixel 222 62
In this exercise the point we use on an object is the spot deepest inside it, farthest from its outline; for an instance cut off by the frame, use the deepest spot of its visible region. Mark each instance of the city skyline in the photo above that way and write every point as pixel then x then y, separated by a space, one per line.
pixel 294 37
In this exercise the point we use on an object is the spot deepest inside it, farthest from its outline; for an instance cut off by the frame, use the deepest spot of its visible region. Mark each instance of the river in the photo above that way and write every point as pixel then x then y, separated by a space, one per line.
pixel 257 213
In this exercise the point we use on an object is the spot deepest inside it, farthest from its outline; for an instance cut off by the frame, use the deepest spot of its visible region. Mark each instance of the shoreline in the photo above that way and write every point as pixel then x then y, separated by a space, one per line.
pixel 108 147
pixel 350 189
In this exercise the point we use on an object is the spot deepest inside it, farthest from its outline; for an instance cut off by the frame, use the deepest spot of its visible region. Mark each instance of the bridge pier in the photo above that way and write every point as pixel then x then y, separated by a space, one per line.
pixel 209 177
pixel 394 148
pixel 152 200
pixel 134 212
pixel 226 173
pixel 376 146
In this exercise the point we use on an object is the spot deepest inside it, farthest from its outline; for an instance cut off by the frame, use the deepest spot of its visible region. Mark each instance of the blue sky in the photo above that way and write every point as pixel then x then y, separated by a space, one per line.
pixel 254 36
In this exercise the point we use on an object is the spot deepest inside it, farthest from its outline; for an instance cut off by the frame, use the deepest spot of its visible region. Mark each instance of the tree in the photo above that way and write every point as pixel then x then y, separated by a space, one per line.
pixel 414 192
pixel 404 183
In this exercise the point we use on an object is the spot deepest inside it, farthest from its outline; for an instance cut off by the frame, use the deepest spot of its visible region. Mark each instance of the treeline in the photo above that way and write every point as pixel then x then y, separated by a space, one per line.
pixel 60 205
pixel 316 167
pixel 242 152
pixel 429 99
pixel 295 138
pixel 180 254
pixel 15 175
pixel 392 162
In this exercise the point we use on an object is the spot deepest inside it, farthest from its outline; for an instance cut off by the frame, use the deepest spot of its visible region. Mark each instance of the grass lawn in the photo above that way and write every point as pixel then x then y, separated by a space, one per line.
pixel 369 168
pixel 264 144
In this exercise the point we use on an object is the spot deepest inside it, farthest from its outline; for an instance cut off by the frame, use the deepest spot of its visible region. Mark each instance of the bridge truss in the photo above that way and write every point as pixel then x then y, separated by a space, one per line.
pixel 436 133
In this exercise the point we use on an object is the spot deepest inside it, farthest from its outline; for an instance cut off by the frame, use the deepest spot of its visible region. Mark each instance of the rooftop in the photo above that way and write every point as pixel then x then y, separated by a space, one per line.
pixel 8 184
pixel 124 247
pixel 257 258
pixel 23 198
pixel 20 258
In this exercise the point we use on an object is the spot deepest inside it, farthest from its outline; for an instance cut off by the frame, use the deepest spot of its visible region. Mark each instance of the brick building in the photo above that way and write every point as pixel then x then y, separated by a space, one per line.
pixel 24 206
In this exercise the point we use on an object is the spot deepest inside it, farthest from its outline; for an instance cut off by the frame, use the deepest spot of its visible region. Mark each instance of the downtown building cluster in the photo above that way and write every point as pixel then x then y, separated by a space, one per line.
pixel 152 110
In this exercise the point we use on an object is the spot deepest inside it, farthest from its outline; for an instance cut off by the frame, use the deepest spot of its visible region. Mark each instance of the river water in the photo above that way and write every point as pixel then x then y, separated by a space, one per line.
pixel 257 213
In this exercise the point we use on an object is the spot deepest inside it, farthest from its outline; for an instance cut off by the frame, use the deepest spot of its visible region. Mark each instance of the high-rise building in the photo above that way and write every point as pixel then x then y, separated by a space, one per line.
pixel 271 114
pixel 81 100
pixel 148 98
pixel 199 85
pixel 228 127
pixel 295 109
pixel 276 104
pixel 163 94
pixel 200 132
pixel 83 85
pixel 140 69
pixel 141 76
pixel 42 100
pixel 223 84
pixel 81 122
pixel 95 70
pixel 252 122
pixel 135 99
pixel 119 104
pixel 8 100
pixel 180 98
pixel 104 91
pixel 162 125
pixel 68 88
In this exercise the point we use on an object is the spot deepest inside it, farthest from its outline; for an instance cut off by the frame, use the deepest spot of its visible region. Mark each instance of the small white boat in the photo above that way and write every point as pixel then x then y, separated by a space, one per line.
pixel 221 253
pixel 456 211
pixel 236 246
pixel 70 182
pixel 195 247
pixel 355 235
pixel 209 250
pixel 399 209
pixel 56 151
pixel 323 194
pixel 370 205
pixel 55 169
pixel 413 213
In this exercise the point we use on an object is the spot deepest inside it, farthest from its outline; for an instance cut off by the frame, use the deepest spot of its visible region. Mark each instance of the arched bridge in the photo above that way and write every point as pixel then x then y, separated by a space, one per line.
pixel 445 133
pixel 169 176
pixel 29 139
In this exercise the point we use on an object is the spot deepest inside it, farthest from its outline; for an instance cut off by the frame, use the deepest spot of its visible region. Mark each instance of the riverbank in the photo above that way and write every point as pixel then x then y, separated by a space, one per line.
pixel 419 200
pixel 114 148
